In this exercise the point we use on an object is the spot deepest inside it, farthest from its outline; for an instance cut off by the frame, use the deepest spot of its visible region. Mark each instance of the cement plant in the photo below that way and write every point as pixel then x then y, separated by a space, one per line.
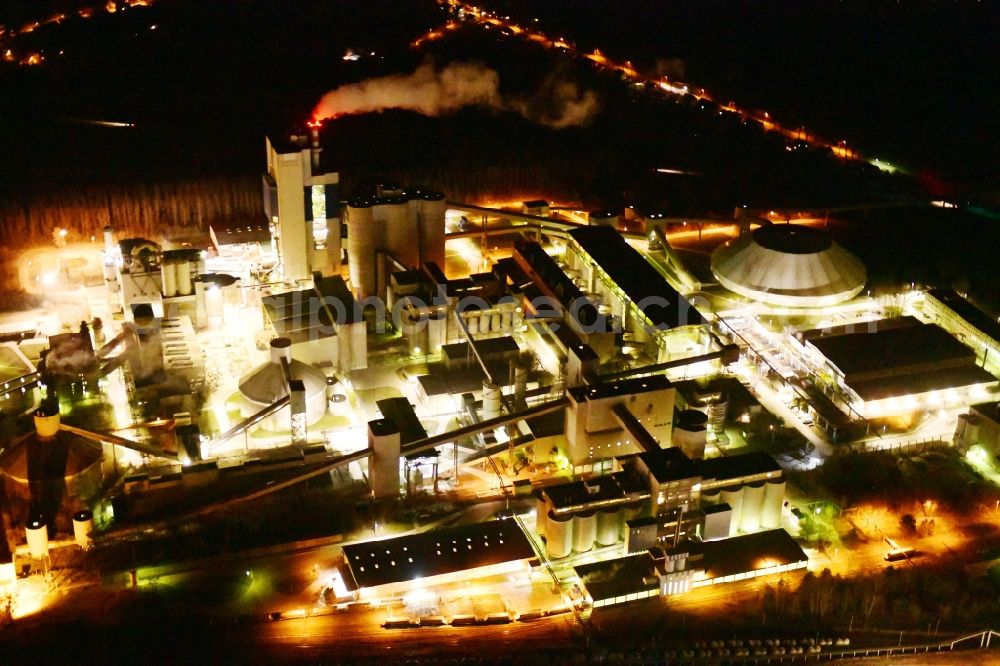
pixel 379 421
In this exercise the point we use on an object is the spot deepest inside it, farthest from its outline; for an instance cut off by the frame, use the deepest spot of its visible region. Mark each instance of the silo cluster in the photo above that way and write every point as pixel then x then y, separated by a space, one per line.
pixel 392 224
pixel 756 506
pixel 582 531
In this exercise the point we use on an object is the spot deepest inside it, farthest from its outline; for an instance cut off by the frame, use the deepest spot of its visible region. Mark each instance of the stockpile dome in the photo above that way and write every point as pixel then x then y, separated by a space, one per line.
pixel 790 265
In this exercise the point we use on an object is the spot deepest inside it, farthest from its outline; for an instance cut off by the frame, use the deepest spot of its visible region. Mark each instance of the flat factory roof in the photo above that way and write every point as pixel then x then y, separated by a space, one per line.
pixel 921 382
pixel 436 553
pixel 618 577
pixel 738 466
pixel 461 380
pixel 670 464
pixel 725 557
pixel 624 486
pixel 400 412
pixel 873 326
pixel 990 410
pixel 897 348
pixel 459 351
pixel 295 313
pixel 633 386
pixel 634 276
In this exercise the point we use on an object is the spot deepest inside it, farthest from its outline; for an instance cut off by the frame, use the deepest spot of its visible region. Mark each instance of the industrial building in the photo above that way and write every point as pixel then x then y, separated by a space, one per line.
pixel 604 421
pixel 980 427
pixel 659 497
pixel 302 204
pixel 896 366
pixel 392 567
pixel 392 229
pixel 650 310
pixel 789 265
pixel 968 323
pixel 687 565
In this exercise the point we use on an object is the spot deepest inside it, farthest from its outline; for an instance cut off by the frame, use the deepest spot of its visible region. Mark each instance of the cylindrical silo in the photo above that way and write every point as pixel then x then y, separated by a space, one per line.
pixel 506 320
pixel 431 221
pixel 541 511
pixel 495 322
pixel 491 400
pixel 37 533
pixel 608 527
pixel 437 331
pixel 734 498
pixel 83 528
pixel 183 275
pixel 401 231
pixel 415 332
pixel 362 240
pixel 584 531
pixel 559 535
pixel 484 323
pixel 168 268
pixel 774 498
pixel 472 323
pixel 690 433
pixel 753 504
pixel 710 498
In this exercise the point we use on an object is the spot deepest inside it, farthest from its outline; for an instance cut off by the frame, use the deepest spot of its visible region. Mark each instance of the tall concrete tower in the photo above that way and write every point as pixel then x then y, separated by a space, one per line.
pixel 302 203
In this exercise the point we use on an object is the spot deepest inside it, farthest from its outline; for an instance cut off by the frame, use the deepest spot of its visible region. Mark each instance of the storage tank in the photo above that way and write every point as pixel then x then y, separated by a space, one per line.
pixel 383 462
pixel 541 511
pixel 401 231
pixel 83 529
pixel 609 526
pixel 559 535
pixel 584 531
pixel 774 499
pixel 168 267
pixel 37 533
pixel 506 320
pixel 362 239
pixel 753 504
pixel 491 400
pixel 690 433
pixel 710 498
pixel 734 498
pixel 472 323
pixel 415 332
pixel 437 331
pixel 485 319
pixel 431 213
pixel 495 322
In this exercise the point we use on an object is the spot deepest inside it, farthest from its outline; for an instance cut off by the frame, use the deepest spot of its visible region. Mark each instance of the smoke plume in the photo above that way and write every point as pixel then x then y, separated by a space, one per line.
pixel 437 92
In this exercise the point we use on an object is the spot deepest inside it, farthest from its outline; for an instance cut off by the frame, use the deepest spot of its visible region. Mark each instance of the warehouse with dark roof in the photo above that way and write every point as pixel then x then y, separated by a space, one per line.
pixel 375 569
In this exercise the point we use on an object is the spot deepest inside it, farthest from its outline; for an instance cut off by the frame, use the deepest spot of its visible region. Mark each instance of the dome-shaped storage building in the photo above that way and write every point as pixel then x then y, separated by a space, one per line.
pixel 269 383
pixel 789 265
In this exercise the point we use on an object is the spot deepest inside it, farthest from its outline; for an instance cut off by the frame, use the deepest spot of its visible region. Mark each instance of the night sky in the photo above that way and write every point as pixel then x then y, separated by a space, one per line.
pixel 916 82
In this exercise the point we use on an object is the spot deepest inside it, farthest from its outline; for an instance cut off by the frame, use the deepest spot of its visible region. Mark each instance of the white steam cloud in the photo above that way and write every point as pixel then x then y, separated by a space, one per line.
pixel 437 92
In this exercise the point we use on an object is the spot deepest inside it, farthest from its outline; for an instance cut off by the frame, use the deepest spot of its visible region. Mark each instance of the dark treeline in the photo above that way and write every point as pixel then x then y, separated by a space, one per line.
pixel 137 209
pixel 905 597
pixel 937 473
